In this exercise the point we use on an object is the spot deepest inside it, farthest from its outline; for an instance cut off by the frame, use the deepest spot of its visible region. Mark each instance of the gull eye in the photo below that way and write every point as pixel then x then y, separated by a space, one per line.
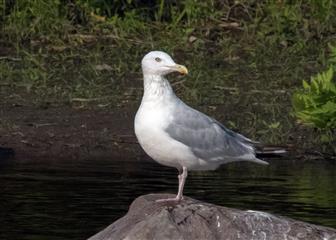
pixel 158 59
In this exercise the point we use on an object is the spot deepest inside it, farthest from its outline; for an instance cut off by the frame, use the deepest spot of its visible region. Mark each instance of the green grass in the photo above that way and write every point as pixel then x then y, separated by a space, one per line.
pixel 249 55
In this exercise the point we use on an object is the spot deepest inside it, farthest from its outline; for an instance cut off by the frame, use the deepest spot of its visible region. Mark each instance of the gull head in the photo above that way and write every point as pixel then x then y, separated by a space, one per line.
pixel 160 63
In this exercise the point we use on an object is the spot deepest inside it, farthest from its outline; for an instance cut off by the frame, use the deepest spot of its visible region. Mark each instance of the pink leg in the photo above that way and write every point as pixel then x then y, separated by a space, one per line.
pixel 181 177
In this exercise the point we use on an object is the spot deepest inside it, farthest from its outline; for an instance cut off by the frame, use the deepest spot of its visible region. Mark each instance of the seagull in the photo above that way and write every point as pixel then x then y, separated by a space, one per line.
pixel 176 135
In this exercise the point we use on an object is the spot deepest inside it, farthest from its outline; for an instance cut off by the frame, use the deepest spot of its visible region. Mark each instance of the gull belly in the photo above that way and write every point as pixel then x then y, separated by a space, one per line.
pixel 150 122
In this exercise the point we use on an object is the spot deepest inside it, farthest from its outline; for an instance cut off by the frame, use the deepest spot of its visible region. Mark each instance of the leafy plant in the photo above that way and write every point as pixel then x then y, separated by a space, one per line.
pixel 315 104
pixel 33 18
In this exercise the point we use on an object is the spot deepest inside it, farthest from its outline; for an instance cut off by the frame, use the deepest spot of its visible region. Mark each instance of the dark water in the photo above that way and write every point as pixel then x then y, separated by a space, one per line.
pixel 73 200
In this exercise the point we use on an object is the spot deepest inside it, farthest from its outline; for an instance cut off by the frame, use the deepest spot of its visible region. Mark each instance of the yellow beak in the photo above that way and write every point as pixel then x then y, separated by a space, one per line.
pixel 181 69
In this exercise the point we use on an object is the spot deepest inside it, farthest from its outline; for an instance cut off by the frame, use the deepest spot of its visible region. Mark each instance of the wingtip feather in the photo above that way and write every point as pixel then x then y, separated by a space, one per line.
pixel 257 160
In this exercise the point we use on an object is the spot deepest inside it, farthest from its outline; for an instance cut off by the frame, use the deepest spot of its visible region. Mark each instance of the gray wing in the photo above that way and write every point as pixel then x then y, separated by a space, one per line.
pixel 206 137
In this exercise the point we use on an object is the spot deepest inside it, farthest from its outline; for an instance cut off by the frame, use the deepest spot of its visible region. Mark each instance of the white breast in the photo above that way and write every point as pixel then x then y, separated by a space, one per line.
pixel 150 121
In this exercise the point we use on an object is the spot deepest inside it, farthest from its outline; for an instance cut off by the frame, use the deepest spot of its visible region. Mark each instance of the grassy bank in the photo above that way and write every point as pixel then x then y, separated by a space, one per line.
pixel 247 55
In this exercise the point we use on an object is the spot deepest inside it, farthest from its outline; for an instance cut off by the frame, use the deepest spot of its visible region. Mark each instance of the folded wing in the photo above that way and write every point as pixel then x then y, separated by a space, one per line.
pixel 207 138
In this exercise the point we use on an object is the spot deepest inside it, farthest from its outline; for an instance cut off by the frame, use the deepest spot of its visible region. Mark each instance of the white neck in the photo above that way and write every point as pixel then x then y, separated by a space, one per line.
pixel 156 87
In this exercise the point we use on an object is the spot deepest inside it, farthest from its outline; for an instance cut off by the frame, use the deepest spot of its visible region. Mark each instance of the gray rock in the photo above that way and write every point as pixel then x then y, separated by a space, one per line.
pixel 193 219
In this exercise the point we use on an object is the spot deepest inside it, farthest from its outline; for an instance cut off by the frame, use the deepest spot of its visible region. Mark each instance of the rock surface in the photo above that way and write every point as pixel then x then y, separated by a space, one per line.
pixel 193 219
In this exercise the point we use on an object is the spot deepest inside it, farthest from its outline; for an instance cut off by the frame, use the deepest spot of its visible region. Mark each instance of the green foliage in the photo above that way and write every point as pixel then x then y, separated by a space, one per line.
pixel 294 22
pixel 156 10
pixel 283 23
pixel 316 103
pixel 27 19
pixel 90 49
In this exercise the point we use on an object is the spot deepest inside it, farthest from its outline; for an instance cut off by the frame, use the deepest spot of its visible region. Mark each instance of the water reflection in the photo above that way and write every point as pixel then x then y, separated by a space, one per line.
pixel 73 200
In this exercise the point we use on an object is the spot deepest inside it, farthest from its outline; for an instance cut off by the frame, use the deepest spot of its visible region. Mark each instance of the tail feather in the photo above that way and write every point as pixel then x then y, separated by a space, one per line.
pixel 271 151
